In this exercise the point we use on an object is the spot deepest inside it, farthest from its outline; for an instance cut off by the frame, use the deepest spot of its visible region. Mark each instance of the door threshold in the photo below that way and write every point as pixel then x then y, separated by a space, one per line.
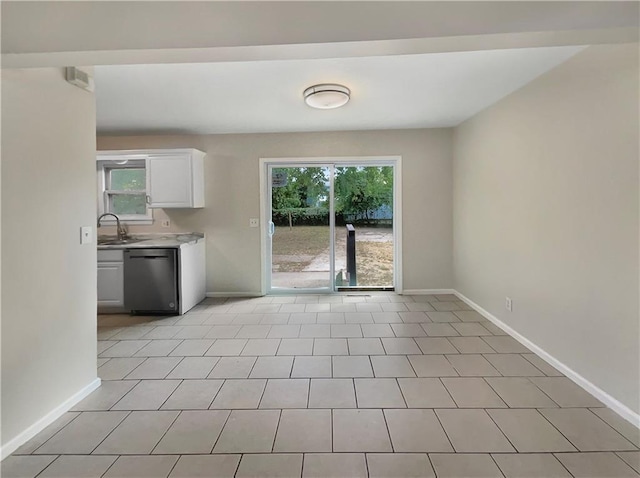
pixel 365 289
pixel 339 290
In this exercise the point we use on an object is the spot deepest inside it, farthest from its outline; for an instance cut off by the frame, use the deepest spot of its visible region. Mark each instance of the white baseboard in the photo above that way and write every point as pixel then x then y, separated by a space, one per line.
pixel 404 292
pixel 47 420
pixel 234 294
pixel 615 405
pixel 427 291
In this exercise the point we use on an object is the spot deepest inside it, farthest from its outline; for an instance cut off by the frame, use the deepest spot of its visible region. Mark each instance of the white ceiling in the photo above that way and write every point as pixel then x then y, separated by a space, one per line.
pixel 228 66
pixel 388 92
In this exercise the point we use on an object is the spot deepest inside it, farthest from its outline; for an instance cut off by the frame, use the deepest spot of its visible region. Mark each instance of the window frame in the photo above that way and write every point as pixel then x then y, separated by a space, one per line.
pixel 104 166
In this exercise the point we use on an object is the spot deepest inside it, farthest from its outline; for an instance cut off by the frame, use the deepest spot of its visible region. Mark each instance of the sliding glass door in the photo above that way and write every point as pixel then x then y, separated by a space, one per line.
pixel 363 236
pixel 299 228
pixel 330 227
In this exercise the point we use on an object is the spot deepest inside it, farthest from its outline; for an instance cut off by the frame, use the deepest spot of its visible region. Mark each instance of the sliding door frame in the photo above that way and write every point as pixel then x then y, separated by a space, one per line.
pixel 268 209
pixel 346 161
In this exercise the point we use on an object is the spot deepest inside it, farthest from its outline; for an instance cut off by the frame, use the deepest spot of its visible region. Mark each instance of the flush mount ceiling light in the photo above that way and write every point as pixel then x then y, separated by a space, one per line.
pixel 326 96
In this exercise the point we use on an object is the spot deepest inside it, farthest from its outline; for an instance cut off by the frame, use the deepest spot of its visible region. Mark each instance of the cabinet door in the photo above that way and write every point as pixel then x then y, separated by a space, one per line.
pixel 169 181
pixel 111 284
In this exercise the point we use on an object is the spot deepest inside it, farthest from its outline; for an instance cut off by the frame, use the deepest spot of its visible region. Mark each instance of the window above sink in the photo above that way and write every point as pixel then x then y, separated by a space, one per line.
pixel 122 189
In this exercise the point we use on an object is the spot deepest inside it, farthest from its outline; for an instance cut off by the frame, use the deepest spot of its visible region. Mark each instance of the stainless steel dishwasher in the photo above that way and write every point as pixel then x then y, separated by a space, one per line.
pixel 151 280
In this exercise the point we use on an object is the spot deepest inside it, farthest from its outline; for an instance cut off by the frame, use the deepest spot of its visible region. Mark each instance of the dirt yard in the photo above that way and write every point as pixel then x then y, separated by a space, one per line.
pixel 306 249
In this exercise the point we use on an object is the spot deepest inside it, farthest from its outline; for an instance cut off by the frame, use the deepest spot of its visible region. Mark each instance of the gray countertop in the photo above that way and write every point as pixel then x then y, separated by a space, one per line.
pixel 138 241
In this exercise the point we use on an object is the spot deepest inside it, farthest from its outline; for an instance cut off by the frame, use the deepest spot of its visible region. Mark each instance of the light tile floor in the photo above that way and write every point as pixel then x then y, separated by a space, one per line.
pixel 375 385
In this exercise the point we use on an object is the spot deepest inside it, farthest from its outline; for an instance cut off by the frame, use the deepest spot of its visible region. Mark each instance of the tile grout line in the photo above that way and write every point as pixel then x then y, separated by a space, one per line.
pixel 613 429
pixel 127 415
pixel 435 412
pixel 46 467
pixel 333 429
pixel 413 368
pixel 279 344
pixel 264 388
pixel 557 429
pixel 637 448
pixel 545 393
pixel 224 425
pixel 168 396
pixel 533 365
pixel 500 429
pixel 173 466
pixel 544 374
pixel 373 372
pixel 562 464
pixel 386 426
pixel 496 463
pixel 137 382
pixel 355 393
pixel 509 407
pixel 397 379
pixel 237 468
pixel 172 369
pixel 448 392
pixel 366 461
pixel 215 394
pixel 275 435
pixel 111 465
pixel 165 432
pixel 433 468
pixel 33 452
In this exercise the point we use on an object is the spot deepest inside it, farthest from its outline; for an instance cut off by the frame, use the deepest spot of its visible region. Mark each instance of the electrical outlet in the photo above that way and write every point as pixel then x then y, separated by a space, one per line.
pixel 254 222
pixel 166 223
pixel 508 304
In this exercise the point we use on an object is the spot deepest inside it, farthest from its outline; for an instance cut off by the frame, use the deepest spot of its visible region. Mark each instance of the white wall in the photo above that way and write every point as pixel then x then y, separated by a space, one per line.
pixel 232 196
pixel 546 212
pixel 48 278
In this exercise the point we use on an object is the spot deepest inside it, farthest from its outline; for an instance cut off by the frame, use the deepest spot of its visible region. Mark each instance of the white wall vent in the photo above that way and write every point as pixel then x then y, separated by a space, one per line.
pixel 79 78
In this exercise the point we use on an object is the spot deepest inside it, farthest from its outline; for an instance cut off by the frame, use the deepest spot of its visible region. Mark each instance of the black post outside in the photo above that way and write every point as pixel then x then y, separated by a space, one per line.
pixel 351 254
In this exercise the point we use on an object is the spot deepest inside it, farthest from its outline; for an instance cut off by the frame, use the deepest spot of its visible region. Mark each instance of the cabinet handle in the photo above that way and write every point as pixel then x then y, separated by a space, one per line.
pixel 148 198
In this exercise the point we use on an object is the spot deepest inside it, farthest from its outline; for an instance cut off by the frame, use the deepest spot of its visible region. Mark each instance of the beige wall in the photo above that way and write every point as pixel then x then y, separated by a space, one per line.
pixel 48 278
pixel 546 212
pixel 232 197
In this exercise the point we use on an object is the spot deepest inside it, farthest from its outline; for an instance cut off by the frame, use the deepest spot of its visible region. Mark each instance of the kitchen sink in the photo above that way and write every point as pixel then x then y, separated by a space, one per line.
pixel 116 242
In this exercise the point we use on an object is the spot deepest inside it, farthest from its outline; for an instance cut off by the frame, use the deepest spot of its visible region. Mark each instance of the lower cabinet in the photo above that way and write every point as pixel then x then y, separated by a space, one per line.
pixel 190 277
pixel 110 281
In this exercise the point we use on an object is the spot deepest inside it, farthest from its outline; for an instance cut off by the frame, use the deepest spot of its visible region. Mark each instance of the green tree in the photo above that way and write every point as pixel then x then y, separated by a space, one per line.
pixel 131 186
pixel 305 188
pixel 361 190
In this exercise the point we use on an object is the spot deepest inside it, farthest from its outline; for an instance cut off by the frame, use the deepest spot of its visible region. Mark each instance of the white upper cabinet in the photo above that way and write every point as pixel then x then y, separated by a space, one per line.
pixel 175 179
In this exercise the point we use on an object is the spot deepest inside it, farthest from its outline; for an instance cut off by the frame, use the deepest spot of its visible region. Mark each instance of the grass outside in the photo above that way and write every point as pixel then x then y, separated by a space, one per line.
pixel 374 263
pixel 300 240
pixel 293 251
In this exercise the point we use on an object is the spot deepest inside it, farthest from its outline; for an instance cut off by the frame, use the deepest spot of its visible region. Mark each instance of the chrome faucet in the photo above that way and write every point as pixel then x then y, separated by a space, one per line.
pixel 122 233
